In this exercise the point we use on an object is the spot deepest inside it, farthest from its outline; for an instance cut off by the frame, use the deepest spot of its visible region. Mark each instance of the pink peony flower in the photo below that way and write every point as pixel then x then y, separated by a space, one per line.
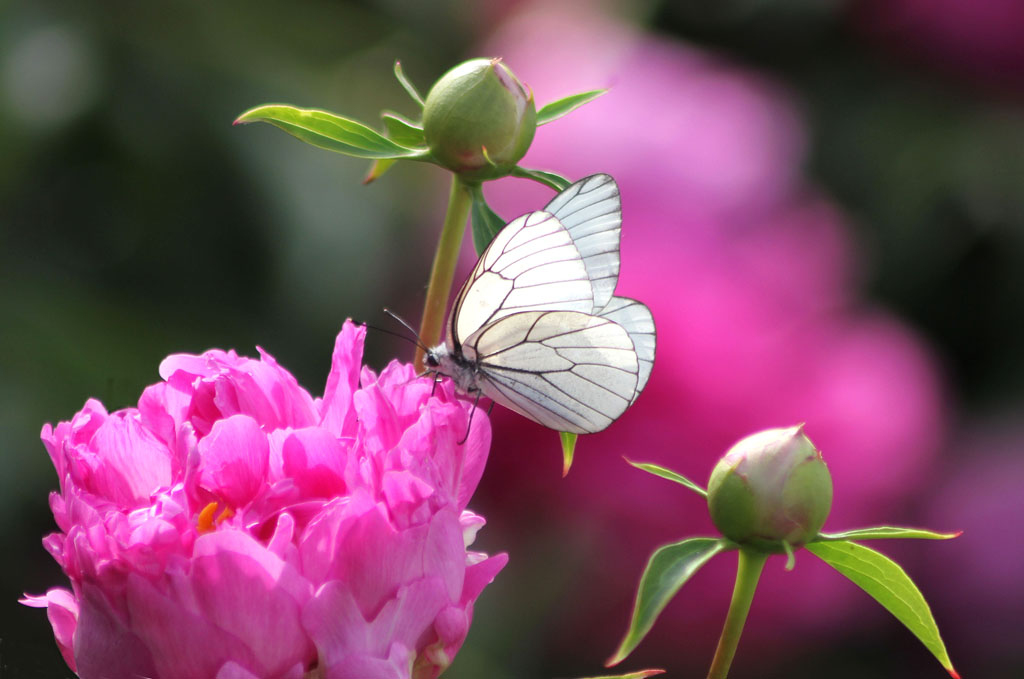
pixel 750 275
pixel 981 495
pixel 233 526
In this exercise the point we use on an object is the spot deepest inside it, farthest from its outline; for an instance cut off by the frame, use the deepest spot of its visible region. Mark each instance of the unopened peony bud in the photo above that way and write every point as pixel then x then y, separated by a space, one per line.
pixel 479 119
pixel 771 487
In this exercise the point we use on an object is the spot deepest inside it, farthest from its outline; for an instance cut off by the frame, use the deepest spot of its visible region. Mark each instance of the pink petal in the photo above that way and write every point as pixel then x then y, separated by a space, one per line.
pixel 336 412
pixel 315 460
pixel 131 463
pixel 232 670
pixel 184 642
pixel 339 627
pixel 104 644
pixel 377 555
pixel 480 575
pixel 234 460
pixel 240 602
pixel 243 587
pixel 62 612
pixel 406 495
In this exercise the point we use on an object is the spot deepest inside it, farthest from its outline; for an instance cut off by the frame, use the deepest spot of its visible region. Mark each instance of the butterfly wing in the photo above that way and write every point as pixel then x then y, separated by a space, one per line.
pixel 638 323
pixel 531 265
pixel 566 370
pixel 591 212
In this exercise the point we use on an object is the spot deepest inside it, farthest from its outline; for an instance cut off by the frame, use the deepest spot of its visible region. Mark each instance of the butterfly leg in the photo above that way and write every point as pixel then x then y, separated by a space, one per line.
pixel 470 422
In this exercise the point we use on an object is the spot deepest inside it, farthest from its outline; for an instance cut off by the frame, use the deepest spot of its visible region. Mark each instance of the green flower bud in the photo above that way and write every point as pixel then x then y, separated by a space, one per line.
pixel 771 487
pixel 479 119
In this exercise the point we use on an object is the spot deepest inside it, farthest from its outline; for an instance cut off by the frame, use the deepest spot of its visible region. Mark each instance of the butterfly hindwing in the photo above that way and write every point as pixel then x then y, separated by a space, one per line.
pixel 638 323
pixel 567 370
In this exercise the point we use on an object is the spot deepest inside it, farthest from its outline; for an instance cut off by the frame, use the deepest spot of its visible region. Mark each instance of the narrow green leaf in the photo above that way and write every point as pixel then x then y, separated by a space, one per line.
pixel 406 84
pixel 884 532
pixel 889 585
pixel 668 474
pixel 486 223
pixel 790 556
pixel 329 131
pixel 642 674
pixel 667 570
pixel 549 179
pixel 557 109
pixel 487 157
pixel 378 168
pixel 403 131
pixel 568 450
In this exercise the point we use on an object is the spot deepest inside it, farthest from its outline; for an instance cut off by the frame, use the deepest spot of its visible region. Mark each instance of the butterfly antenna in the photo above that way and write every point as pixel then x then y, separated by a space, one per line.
pixel 418 341
pixel 470 423
pixel 395 334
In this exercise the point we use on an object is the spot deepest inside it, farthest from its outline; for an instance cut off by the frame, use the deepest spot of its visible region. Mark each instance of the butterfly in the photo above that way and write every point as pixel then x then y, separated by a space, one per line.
pixel 537 328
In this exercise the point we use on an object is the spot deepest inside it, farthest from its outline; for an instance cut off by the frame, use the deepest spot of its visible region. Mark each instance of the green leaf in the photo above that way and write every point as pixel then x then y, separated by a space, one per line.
pixel 568 450
pixel 407 85
pixel 557 109
pixel 377 168
pixel 549 179
pixel 403 131
pixel 642 674
pixel 889 585
pixel 884 532
pixel 667 570
pixel 790 556
pixel 329 131
pixel 668 474
pixel 486 223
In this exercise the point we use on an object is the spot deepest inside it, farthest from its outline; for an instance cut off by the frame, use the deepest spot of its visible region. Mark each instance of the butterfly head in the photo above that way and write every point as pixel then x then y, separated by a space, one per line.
pixel 454 364
pixel 432 358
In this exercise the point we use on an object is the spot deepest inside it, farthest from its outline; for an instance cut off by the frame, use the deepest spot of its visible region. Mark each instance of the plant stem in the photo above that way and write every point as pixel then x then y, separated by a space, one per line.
pixel 443 271
pixel 748 571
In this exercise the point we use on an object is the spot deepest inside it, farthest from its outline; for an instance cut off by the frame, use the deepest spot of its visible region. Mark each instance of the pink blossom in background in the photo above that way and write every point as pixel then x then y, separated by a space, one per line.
pixel 983 495
pixel 751 275
pixel 980 39
pixel 233 526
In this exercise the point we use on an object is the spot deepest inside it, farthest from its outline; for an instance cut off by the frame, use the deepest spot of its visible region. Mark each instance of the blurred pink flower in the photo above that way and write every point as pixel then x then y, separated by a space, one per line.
pixel 751 277
pixel 980 39
pixel 234 526
pixel 982 495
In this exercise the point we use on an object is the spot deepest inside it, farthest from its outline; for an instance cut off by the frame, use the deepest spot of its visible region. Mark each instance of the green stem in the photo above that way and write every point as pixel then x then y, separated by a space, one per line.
pixel 748 571
pixel 443 271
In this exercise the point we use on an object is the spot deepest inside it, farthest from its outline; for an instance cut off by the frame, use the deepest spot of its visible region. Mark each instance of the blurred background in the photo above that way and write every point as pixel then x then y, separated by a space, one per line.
pixel 823 207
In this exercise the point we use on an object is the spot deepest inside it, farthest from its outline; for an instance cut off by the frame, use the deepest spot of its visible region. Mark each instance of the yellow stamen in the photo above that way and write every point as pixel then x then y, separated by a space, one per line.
pixel 205 522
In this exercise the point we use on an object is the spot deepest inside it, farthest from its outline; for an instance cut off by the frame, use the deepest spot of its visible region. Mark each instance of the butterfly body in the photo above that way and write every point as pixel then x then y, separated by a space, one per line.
pixel 463 369
pixel 536 326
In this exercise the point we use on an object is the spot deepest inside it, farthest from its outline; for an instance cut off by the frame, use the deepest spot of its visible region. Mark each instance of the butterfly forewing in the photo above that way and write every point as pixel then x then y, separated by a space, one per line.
pixel 532 264
pixel 591 211
pixel 567 370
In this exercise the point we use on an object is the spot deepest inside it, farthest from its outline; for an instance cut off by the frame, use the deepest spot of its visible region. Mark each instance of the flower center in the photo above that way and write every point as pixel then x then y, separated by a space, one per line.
pixel 207 522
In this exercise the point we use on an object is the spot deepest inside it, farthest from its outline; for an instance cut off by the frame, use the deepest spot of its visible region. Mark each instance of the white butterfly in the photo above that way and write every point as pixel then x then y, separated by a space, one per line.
pixel 536 326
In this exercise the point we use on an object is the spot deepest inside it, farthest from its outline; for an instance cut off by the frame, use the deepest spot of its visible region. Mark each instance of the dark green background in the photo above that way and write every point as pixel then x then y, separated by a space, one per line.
pixel 135 221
